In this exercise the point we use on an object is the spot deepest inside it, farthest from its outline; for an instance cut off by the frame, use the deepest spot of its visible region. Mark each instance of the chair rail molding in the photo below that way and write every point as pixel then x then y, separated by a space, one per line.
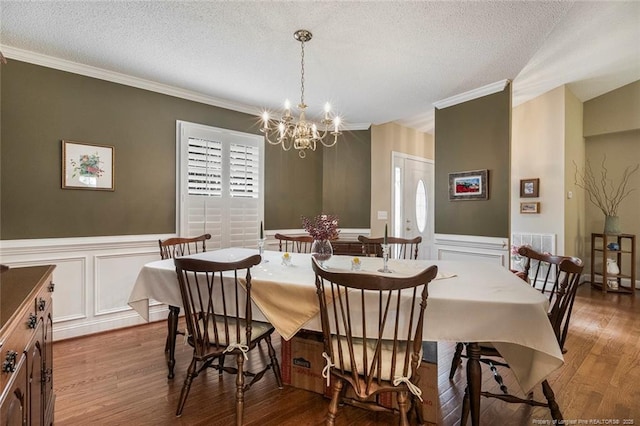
pixel 94 277
pixel 472 248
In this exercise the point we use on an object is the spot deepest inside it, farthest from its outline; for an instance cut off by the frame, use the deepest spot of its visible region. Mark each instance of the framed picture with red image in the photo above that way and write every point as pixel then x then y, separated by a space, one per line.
pixel 471 185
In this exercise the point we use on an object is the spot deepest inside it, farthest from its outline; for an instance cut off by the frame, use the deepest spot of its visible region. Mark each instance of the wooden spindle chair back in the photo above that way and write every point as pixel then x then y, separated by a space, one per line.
pixel 183 246
pixel 294 243
pixel 401 248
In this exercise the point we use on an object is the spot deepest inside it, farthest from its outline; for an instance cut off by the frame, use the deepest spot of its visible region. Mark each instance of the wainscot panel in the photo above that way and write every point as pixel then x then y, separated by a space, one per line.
pixel 93 278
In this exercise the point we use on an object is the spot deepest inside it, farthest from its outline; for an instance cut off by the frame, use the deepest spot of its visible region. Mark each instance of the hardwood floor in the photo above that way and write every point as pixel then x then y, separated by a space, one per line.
pixel 120 377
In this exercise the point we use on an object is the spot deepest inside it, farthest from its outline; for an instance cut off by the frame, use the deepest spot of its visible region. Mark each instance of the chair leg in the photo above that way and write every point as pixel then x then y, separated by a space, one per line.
pixel 275 365
pixel 403 406
pixel 191 373
pixel 240 390
pixel 465 407
pixel 551 399
pixel 417 406
pixel 457 360
pixel 333 405
pixel 221 366
pixel 170 345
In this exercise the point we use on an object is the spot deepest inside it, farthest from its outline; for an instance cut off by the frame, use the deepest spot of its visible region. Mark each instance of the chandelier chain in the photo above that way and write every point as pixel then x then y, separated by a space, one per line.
pixel 302 73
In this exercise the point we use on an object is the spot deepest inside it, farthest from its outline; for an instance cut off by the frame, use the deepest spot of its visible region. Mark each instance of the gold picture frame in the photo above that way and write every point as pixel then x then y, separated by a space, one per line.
pixel 87 166
pixel 530 207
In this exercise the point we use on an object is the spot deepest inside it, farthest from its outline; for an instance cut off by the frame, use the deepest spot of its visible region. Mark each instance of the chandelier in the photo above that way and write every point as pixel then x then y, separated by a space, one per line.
pixel 300 133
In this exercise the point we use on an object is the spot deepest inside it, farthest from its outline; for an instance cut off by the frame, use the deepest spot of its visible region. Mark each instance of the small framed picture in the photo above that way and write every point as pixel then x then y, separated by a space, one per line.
pixel 471 185
pixel 529 188
pixel 529 208
pixel 87 166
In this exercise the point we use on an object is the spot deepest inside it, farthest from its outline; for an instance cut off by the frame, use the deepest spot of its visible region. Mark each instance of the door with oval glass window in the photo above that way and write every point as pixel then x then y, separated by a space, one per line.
pixel 413 200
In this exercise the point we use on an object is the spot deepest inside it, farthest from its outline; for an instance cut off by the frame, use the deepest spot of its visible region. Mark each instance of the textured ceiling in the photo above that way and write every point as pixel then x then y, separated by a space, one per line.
pixel 375 61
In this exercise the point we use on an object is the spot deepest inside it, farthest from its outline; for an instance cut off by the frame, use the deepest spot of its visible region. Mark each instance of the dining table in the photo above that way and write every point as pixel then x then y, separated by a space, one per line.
pixel 471 302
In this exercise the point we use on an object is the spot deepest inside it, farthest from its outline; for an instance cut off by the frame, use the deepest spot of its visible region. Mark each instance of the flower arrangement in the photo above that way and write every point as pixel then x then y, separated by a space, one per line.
pixel 601 190
pixel 321 227
pixel 87 165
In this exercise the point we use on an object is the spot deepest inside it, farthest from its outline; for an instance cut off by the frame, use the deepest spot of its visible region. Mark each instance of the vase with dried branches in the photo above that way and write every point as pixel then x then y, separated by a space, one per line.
pixel 604 193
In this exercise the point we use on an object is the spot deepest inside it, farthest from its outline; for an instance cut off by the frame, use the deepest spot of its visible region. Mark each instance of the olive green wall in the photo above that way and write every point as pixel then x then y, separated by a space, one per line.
pixel 346 177
pixel 333 180
pixel 474 135
pixel 42 106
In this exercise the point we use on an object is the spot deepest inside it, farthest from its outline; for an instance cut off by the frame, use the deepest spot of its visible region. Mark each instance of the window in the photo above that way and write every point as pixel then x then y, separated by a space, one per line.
pixel 220 184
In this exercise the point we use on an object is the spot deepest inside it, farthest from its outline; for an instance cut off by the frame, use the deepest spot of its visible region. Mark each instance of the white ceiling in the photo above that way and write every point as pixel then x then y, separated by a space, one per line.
pixel 376 62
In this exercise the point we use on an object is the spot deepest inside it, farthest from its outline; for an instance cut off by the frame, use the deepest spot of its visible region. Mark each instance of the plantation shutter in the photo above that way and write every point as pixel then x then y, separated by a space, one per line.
pixel 220 185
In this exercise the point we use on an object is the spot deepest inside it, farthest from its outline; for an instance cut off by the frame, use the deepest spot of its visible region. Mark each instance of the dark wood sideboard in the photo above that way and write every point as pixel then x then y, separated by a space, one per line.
pixel 26 346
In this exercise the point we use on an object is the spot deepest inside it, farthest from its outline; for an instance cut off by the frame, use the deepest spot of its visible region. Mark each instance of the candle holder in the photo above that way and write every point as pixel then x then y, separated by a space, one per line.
pixel 385 259
pixel 261 242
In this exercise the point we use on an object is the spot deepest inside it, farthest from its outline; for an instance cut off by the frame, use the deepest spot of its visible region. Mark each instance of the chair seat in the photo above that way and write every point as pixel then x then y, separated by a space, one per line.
pixel 258 329
pixel 386 352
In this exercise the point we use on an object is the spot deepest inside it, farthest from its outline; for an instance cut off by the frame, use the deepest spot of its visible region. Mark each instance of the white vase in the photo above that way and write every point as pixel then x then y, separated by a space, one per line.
pixel 612 270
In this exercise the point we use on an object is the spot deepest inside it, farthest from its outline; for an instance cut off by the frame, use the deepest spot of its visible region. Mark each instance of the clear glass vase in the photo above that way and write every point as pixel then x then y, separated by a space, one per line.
pixel 321 250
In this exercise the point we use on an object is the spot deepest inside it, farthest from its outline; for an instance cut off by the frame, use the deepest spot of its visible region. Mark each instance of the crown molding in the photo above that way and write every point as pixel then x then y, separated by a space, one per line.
pixel 127 80
pixel 140 83
pixel 489 89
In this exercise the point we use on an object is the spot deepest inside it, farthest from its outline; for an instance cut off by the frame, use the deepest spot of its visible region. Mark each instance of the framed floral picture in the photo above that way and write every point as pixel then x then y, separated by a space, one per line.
pixel 87 166
pixel 472 185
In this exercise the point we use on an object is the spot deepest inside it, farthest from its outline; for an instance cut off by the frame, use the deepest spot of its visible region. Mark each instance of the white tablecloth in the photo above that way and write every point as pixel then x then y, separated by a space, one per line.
pixel 468 302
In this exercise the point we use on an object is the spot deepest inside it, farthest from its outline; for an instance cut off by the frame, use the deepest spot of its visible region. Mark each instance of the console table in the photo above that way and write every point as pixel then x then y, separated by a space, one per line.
pixel 26 347
pixel 625 256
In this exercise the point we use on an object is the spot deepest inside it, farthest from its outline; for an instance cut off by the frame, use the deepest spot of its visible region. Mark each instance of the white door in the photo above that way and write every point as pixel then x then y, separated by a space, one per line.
pixel 413 200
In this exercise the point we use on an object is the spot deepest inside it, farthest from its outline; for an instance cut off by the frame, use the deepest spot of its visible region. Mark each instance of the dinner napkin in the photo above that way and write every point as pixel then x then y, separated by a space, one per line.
pixel 444 275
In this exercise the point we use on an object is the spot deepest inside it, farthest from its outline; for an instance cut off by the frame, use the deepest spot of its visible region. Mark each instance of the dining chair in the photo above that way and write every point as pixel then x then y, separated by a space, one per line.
pixel 294 243
pixel 541 270
pixel 374 353
pixel 402 248
pixel 565 279
pixel 183 246
pixel 217 302
pixel 171 248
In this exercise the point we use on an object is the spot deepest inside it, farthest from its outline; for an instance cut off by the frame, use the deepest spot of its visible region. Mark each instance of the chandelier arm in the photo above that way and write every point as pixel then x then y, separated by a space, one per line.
pixel 335 140
pixel 284 140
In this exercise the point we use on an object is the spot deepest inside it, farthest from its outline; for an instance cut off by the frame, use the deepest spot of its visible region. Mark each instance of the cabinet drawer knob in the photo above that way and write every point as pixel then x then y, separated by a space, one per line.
pixel 41 304
pixel 9 365
pixel 51 286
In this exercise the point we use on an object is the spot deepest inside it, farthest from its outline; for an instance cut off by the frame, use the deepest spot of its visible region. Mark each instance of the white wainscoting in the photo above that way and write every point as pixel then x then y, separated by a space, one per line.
pixel 95 275
pixel 472 248
pixel 93 278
